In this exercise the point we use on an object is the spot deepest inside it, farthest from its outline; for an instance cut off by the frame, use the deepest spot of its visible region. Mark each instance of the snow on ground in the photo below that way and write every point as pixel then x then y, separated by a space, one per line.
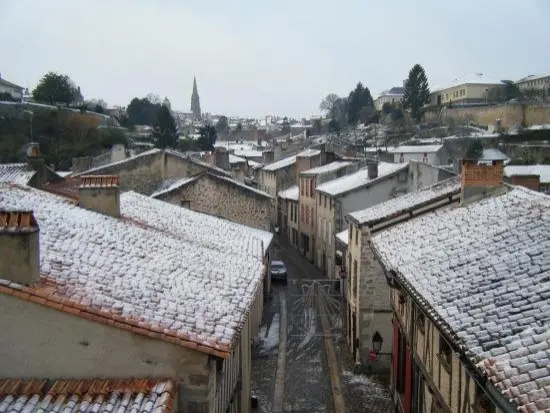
pixel 269 335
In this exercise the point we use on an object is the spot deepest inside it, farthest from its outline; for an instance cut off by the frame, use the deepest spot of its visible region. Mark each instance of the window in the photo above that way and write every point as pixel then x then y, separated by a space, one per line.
pixel 325 200
pixel 354 280
pixel 445 353
pixel 357 236
pixel 301 187
pixel 311 192
pixel 302 213
pixel 320 199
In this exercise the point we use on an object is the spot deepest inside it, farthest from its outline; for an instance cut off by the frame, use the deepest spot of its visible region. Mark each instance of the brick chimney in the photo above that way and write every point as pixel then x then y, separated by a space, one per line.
pixel 100 193
pixel 36 162
pixel 528 181
pixel 19 247
pixel 268 157
pixel 372 169
pixel 480 179
pixel 221 156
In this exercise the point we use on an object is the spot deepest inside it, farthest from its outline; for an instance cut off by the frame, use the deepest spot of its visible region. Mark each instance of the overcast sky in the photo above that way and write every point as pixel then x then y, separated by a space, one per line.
pixel 259 57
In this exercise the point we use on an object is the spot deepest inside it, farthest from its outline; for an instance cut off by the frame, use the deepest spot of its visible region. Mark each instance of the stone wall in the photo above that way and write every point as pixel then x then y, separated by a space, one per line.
pixel 510 114
pixel 225 199
pixel 374 307
pixel 146 172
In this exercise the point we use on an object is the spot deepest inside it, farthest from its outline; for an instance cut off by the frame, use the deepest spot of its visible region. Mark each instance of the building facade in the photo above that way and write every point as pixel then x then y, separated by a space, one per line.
pixel 430 154
pixel 476 89
pixel 392 97
pixel 15 91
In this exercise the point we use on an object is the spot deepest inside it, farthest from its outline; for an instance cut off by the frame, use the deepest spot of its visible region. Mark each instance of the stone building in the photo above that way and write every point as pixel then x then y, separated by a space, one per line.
pixel 470 302
pixel 309 180
pixel 282 174
pixel 152 299
pixel 366 294
pixel 220 196
pixel 289 205
pixel 378 182
pixel 148 171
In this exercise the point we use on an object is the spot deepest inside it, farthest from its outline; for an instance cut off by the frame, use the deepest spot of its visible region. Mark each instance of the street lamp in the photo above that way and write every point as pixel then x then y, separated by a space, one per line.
pixel 377 341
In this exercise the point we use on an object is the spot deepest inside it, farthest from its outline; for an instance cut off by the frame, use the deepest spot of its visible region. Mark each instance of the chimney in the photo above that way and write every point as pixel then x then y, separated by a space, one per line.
pixel 480 178
pixel 372 169
pixel 528 181
pixel 221 156
pixel 268 157
pixel 19 247
pixel 36 162
pixel 100 193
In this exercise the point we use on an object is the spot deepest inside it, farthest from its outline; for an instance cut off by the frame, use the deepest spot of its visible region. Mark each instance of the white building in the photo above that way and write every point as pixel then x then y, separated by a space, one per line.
pixel 14 90
pixel 392 96
pixel 536 82
pixel 432 154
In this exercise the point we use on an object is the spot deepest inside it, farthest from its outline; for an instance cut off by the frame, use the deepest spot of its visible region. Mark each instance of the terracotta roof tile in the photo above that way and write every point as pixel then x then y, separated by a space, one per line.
pixel 17 221
pixel 67 187
pixel 111 395
pixel 99 181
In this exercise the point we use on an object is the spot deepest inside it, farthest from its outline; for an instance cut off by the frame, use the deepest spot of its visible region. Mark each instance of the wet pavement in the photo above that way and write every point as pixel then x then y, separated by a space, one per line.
pixel 307 381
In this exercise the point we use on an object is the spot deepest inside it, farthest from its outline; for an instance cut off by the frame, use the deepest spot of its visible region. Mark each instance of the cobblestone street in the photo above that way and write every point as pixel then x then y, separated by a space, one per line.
pixel 306 383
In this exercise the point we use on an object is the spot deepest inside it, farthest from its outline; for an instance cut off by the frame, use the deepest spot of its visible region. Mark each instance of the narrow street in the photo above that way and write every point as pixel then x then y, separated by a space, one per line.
pixel 298 374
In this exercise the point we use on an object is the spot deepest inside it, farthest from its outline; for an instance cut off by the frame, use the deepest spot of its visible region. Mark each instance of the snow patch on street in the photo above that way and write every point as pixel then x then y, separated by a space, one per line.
pixel 269 338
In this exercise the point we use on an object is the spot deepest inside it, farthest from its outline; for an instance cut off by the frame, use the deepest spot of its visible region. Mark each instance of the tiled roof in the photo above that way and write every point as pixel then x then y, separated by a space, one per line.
pixel 16 173
pixel 98 181
pixel 416 149
pixel 161 271
pixel 359 179
pixel 543 171
pixel 83 396
pixel 236 159
pixel 286 162
pixel 343 236
pixel 173 184
pixel 401 204
pixel 186 181
pixel 482 271
pixel 17 221
pixel 292 193
pixel 329 167
pixel 67 187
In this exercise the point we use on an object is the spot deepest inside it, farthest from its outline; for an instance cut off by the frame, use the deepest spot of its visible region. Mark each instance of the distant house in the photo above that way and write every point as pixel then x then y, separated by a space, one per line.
pixel 392 96
pixel 474 89
pixel 15 91
pixel 534 82
pixel 129 300
pixel 535 177
pixel 431 154
pixel 288 205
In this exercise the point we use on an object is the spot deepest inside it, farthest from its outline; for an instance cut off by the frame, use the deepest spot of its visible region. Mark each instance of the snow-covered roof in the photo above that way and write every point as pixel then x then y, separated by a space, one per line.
pixel 406 202
pixel 171 185
pixel 248 153
pixel 286 162
pixel 394 91
pixel 531 78
pixel 481 271
pixel 131 394
pixel 477 79
pixel 329 167
pixel 63 174
pixel 493 155
pixel 416 149
pixel 162 270
pixel 543 171
pixel 174 184
pixel 343 236
pixel 292 193
pixel 154 152
pixel 16 173
pixel 236 159
pixel 359 179
pixel 4 82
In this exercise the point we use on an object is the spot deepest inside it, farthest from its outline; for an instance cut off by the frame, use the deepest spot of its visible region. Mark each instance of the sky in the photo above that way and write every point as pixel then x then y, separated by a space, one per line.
pixel 258 58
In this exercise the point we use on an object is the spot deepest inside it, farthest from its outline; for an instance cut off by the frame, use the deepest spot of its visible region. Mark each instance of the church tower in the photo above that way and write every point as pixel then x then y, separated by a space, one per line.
pixel 195 102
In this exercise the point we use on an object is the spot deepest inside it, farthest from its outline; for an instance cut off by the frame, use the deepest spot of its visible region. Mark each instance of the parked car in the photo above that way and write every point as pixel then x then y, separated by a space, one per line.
pixel 278 271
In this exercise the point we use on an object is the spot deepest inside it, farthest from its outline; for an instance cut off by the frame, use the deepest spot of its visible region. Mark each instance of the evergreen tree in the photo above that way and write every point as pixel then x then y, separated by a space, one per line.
pixel 165 131
pixel 207 138
pixel 222 127
pixel 359 102
pixel 417 92
pixel 55 88
pixel 286 126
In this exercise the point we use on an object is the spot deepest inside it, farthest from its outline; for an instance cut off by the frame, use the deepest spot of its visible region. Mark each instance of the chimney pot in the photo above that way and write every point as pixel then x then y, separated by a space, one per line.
pixel 100 193
pixel 372 170
pixel 19 247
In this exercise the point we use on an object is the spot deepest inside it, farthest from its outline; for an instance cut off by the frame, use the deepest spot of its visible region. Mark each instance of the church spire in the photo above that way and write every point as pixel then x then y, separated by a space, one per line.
pixel 195 102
